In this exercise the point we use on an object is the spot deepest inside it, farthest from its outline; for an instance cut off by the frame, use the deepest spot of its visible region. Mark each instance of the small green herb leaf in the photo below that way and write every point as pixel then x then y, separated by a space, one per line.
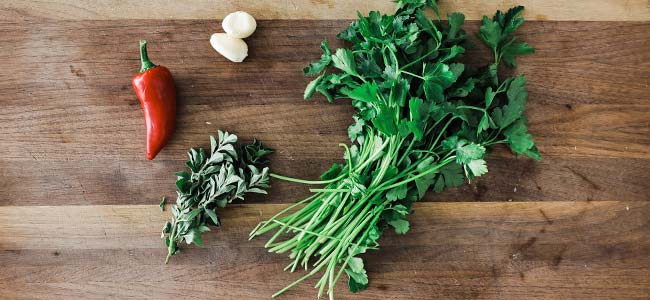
pixel 468 152
pixel 194 236
pixel 162 204
pixel 517 96
pixel 343 60
pixel 317 66
pixel 437 78
pixel 519 140
pixel 366 92
pixel 213 217
pixel 358 279
pixel 397 193
pixel 451 175
pixel 476 168
pixel 401 226
pixel 511 20
pixel 490 32
pixel 311 87
pixel 455 21
pixel 510 52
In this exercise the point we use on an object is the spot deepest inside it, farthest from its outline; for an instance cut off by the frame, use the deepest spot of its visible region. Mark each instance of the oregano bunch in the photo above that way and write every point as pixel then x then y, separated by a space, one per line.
pixel 214 179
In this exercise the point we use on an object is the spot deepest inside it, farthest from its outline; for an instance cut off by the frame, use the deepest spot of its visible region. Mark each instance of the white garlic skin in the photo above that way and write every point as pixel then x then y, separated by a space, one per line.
pixel 234 49
pixel 239 24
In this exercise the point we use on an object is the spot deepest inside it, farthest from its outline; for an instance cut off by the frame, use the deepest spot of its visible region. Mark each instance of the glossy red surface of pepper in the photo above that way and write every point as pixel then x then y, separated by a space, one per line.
pixel 155 89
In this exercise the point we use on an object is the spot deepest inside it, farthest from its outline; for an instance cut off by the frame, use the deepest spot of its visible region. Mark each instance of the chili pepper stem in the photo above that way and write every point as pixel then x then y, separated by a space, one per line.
pixel 144 58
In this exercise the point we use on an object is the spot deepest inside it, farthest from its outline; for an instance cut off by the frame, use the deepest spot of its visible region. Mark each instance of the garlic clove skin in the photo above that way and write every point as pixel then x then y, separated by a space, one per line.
pixel 239 24
pixel 234 49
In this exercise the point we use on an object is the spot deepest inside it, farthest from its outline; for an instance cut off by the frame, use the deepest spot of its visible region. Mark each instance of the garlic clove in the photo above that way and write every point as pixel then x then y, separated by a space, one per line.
pixel 234 49
pixel 239 24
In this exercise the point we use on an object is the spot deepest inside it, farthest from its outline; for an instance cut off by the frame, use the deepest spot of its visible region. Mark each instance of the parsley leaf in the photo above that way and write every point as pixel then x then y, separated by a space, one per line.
pixel 510 20
pixel 366 92
pixel 496 34
pixel 466 153
pixel 475 168
pixel 512 111
pixel 356 129
pixel 401 226
pixel 437 78
pixel 358 279
pixel 343 60
pixel 451 175
pixel 312 86
pixel 425 180
pixel 519 140
pixel 418 113
pixel 397 193
pixel 510 51
pixel 490 32
pixel 455 21
pixel 317 66
pixel 385 119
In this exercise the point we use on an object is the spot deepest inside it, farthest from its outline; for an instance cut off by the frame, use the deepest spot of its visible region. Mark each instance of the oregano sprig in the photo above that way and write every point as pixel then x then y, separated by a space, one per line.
pixel 214 179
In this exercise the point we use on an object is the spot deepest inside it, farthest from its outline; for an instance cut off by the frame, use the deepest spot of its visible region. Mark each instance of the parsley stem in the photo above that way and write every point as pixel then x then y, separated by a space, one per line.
pixel 427 152
pixel 365 235
pixel 502 85
pixel 314 271
pixel 414 75
pixel 296 180
pixel 428 171
pixel 329 190
pixel 256 232
pixel 470 107
pixel 415 61
pixel 336 214
pixel 348 155
pixel 444 129
pixel 406 152
pixel 317 214
pixel 497 142
pixel 307 231
pixel 372 158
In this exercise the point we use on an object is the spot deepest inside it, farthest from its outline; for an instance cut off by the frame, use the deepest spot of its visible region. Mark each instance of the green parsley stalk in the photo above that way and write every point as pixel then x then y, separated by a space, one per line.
pixel 423 121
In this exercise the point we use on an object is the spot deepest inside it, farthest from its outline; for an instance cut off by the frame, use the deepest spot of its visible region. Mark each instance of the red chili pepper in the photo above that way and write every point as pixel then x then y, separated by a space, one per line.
pixel 155 89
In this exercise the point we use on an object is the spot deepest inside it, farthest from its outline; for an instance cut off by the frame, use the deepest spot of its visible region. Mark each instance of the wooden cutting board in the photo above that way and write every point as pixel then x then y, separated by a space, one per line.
pixel 79 215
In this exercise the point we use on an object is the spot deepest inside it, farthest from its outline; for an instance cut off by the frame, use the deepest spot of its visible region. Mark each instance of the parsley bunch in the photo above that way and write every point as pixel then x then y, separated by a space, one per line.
pixel 214 180
pixel 423 121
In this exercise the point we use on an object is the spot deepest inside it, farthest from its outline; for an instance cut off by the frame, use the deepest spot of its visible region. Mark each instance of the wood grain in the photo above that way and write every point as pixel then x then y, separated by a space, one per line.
pixel 78 201
pixel 72 131
pixel 593 10
pixel 549 250
pixel 63 64
pixel 79 133
pixel 144 182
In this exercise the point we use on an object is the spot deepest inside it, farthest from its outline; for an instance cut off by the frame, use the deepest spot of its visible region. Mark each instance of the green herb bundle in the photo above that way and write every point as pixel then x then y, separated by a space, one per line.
pixel 214 180
pixel 423 121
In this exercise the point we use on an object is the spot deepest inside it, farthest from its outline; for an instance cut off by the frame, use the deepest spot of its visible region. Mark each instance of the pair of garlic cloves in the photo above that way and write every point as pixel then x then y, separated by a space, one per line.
pixel 237 25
